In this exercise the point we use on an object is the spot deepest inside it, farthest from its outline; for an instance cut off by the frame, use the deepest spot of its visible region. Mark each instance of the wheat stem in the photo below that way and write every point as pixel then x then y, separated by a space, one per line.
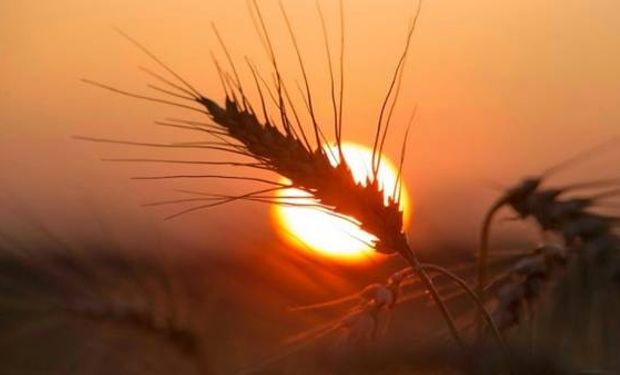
pixel 476 299
pixel 483 252
pixel 412 259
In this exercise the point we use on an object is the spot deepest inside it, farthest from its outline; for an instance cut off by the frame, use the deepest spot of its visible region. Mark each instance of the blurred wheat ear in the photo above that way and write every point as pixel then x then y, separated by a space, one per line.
pixel 569 287
pixel 63 312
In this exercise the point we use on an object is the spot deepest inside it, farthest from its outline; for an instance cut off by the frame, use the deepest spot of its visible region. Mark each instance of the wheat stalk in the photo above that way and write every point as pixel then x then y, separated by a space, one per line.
pixel 283 147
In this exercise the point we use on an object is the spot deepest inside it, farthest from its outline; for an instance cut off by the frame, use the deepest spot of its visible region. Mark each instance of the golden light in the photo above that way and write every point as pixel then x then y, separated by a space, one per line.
pixel 315 230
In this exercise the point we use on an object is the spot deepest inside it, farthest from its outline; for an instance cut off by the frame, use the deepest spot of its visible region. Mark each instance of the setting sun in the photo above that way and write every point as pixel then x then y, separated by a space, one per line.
pixel 322 233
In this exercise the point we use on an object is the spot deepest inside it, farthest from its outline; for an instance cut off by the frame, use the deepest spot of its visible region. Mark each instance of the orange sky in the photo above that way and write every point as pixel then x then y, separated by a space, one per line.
pixel 503 89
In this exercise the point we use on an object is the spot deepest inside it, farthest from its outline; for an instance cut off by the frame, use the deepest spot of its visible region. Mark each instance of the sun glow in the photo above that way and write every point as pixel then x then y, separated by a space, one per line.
pixel 321 233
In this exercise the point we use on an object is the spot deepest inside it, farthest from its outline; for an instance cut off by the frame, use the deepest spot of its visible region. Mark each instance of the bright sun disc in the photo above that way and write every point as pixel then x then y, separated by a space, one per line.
pixel 321 233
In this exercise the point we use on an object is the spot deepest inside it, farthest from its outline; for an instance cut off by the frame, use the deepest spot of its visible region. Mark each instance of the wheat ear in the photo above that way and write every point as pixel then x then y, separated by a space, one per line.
pixel 282 147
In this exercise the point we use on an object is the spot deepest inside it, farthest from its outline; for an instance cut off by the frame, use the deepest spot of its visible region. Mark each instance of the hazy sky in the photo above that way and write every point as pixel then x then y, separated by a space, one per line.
pixel 503 89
